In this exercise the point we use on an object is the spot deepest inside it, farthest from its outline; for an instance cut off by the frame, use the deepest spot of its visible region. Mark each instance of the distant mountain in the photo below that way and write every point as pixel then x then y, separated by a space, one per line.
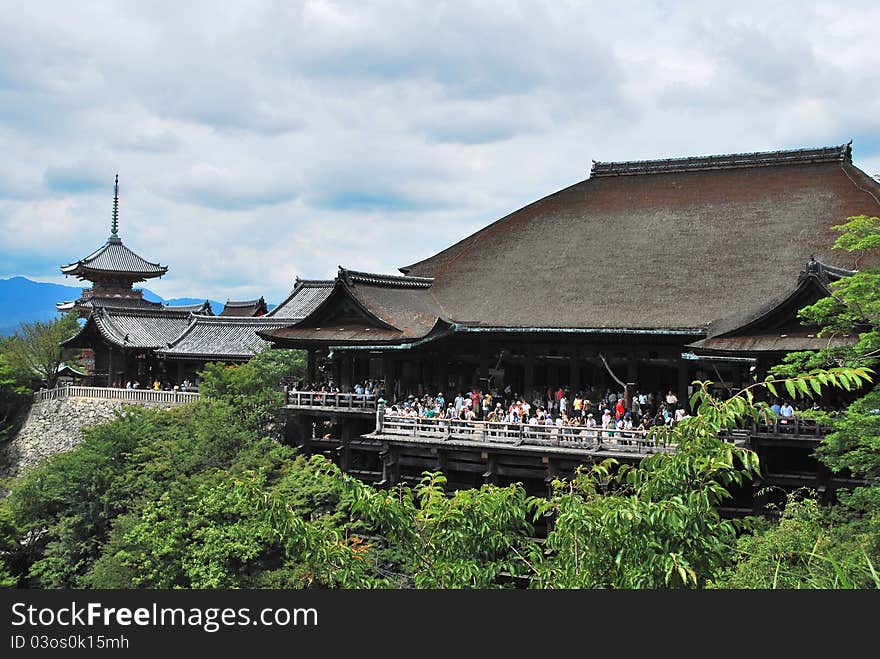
pixel 24 301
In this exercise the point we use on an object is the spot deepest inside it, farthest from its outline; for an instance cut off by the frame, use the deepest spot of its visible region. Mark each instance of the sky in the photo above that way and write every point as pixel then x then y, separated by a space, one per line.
pixel 260 141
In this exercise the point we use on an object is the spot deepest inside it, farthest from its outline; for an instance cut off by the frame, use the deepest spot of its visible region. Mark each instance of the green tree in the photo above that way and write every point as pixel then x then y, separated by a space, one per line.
pixel 652 525
pixel 14 396
pixel 810 546
pixel 33 351
pixel 255 388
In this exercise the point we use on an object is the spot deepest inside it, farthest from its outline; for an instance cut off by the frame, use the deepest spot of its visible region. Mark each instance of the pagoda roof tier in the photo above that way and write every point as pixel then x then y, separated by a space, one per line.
pixel 133 328
pixel 131 303
pixel 114 258
pixel 245 308
pixel 671 244
pixel 224 338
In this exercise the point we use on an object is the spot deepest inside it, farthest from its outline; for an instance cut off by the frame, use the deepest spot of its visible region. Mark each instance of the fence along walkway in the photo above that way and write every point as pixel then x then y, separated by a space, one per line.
pixel 332 400
pixel 110 393
pixel 518 434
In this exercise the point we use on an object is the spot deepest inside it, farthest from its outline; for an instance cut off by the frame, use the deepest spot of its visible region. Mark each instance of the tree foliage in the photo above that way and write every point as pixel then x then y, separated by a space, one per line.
pixel 254 389
pixel 33 351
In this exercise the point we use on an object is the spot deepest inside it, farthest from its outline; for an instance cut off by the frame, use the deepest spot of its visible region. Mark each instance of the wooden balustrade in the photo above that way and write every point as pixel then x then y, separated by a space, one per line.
pixel 795 425
pixel 112 393
pixel 335 400
pixel 518 434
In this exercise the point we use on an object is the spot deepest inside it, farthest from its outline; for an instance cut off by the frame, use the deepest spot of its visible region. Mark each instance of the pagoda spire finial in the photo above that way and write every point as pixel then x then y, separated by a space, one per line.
pixel 114 224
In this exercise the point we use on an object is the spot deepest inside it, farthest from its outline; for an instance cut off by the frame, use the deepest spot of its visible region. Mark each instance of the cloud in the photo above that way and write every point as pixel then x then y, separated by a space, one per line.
pixel 262 140
pixel 225 188
pixel 77 177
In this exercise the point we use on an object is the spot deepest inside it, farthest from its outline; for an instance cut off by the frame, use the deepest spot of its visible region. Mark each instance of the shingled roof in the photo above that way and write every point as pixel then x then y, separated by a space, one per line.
pixel 774 327
pixel 222 338
pixel 305 297
pixel 670 245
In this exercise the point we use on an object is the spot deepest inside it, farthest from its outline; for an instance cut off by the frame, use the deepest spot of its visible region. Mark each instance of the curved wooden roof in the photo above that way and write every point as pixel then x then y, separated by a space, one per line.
pixel 660 247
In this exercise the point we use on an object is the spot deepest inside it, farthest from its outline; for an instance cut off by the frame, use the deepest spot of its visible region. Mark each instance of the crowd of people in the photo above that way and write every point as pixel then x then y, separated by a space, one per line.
pixel 157 385
pixel 552 406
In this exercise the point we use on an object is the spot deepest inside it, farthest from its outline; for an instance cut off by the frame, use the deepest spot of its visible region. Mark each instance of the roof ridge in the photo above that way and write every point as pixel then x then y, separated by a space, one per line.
pixel 379 279
pixel 840 153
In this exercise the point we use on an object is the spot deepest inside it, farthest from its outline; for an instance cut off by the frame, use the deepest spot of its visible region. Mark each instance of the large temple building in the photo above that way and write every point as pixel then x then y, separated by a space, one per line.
pixel 650 273
pixel 645 276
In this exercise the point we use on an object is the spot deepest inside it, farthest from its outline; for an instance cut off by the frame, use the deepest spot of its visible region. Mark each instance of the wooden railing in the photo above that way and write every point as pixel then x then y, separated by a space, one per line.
pixel 110 393
pixel 518 434
pixel 795 425
pixel 327 399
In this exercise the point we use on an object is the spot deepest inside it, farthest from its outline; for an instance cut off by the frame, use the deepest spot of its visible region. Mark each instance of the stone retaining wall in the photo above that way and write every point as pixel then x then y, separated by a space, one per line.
pixel 55 426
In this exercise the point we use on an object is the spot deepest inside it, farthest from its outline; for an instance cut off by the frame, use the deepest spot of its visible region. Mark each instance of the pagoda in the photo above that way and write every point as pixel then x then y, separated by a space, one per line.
pixel 126 338
pixel 113 270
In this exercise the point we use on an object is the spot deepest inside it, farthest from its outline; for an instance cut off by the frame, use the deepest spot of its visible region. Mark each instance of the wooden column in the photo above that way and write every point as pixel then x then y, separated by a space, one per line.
pixel 337 370
pixel 442 373
pixel 574 371
pixel 682 384
pixel 110 366
pixel 529 371
pixel 632 376
pixel 388 375
pixel 484 363
pixel 311 366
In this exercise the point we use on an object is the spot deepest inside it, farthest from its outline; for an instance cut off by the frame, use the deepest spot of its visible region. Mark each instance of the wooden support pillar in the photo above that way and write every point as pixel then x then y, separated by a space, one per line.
pixel 179 371
pixel 390 465
pixel 484 364
pixel 439 459
pixel 346 447
pixel 490 476
pixel 682 384
pixel 388 375
pixel 529 371
pixel 632 377
pixel 337 370
pixel 552 473
pixel 574 371
pixel 311 367
pixel 442 374
pixel 110 366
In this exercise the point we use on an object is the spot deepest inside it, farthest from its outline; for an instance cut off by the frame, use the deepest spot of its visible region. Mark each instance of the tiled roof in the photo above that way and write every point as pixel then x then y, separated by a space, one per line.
pixel 136 328
pixel 305 297
pixel 112 302
pixel 244 308
pixel 220 338
pixel 202 308
pixel 114 257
